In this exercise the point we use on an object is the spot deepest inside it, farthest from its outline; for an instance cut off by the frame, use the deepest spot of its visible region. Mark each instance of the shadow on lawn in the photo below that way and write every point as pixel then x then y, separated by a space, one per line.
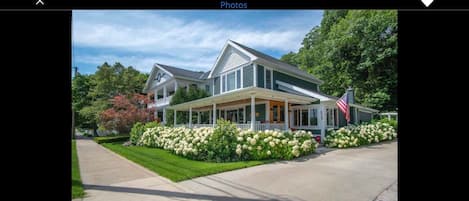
pixel 168 193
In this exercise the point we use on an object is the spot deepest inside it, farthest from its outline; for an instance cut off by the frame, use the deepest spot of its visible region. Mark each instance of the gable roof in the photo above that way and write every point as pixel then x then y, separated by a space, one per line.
pixel 278 62
pixel 174 72
pixel 179 72
pixel 262 55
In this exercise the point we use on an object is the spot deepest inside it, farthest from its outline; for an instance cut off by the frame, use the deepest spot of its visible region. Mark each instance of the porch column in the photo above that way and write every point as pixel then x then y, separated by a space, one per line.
pixel 190 117
pixel 175 112
pixel 322 115
pixel 198 117
pixel 253 111
pixel 214 119
pixel 286 114
pixel 164 115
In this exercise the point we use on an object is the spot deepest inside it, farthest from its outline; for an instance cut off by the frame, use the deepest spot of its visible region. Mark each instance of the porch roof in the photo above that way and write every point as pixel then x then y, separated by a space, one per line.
pixel 244 93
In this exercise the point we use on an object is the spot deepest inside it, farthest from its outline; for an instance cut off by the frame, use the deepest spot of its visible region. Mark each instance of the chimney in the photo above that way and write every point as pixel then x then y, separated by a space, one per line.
pixel 76 71
pixel 351 95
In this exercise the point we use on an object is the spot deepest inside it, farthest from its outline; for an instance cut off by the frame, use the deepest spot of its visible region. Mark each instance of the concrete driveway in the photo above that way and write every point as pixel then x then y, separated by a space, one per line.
pixel 351 174
pixel 367 173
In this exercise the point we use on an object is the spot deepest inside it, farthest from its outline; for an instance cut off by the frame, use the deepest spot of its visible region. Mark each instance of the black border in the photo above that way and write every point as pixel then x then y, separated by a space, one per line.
pixel 215 4
pixel 35 79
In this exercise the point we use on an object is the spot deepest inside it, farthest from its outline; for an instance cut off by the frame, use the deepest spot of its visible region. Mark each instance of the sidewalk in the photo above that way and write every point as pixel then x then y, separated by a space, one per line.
pixel 108 176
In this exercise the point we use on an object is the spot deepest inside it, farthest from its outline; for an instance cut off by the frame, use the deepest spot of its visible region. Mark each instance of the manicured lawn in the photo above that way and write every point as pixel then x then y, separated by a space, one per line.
pixel 77 187
pixel 174 167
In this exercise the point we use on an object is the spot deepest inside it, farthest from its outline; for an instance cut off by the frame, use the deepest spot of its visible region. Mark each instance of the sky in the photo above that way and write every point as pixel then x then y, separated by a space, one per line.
pixel 187 39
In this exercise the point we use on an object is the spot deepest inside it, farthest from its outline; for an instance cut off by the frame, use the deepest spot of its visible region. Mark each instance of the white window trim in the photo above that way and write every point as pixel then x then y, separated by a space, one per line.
pixel 242 78
pixel 271 77
pixel 225 74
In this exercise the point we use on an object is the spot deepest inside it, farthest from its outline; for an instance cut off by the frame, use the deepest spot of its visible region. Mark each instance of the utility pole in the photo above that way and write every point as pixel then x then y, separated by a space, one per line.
pixel 73 112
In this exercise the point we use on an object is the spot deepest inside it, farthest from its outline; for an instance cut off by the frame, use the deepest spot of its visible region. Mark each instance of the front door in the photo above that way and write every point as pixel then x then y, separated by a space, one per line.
pixel 277 110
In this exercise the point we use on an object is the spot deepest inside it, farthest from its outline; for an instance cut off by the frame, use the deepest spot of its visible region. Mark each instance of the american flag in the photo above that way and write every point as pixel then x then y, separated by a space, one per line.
pixel 343 105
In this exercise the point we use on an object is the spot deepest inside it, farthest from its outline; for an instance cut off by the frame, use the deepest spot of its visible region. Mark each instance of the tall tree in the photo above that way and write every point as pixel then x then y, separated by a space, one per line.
pixel 81 85
pixel 354 48
pixel 91 94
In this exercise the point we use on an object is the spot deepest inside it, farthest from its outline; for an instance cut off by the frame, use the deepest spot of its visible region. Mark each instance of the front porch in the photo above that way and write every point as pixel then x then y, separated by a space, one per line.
pixel 269 109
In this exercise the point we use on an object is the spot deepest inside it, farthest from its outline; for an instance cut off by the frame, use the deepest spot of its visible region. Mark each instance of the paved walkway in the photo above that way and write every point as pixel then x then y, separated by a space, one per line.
pixel 367 173
pixel 359 174
pixel 108 176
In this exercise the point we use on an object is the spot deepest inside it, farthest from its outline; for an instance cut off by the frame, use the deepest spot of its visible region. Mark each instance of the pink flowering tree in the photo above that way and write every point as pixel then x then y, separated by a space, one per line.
pixel 126 110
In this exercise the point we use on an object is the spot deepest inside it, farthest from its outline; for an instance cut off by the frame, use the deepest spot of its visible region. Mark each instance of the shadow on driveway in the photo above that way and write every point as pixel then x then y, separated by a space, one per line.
pixel 168 193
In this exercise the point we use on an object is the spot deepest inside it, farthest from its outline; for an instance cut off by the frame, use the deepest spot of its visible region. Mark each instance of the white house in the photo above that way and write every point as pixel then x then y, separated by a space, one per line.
pixel 246 84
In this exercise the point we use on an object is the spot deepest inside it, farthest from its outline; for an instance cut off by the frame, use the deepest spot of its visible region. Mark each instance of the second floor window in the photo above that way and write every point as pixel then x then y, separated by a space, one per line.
pixel 230 81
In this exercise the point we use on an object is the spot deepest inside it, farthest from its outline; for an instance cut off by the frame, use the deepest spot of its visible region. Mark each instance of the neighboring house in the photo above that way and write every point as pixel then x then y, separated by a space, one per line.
pixel 246 84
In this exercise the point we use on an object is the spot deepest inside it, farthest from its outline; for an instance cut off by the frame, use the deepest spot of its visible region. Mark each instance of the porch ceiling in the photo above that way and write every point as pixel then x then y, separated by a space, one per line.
pixel 242 94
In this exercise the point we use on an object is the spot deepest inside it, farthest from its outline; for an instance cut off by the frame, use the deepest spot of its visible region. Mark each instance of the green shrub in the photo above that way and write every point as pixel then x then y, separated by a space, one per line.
pixel 354 136
pixel 222 144
pixel 138 129
pixel 136 132
pixel 225 142
pixel 391 122
pixel 110 139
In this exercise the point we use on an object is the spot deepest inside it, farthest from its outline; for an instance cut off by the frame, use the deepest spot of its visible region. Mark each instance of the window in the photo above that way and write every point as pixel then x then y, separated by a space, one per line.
pixel 275 114
pixel 268 79
pixel 304 117
pixel 296 118
pixel 216 85
pixel 241 115
pixel 313 117
pixel 207 88
pixel 238 79
pixel 282 114
pixel 223 82
pixel 330 117
pixel 231 79
pixel 247 76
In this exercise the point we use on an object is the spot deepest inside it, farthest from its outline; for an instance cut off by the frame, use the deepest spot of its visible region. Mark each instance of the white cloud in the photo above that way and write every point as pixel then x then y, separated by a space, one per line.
pixel 145 64
pixel 173 41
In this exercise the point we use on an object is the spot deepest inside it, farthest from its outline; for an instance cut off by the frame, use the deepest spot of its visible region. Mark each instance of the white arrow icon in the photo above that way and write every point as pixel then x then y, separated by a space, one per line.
pixel 427 2
pixel 39 2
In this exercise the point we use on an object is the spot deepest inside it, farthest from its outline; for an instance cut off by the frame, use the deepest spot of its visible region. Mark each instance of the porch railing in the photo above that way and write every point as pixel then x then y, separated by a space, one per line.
pixel 257 126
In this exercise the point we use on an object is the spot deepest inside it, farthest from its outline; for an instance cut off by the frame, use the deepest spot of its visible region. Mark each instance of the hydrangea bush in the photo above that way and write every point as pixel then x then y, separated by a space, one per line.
pixel 354 136
pixel 225 142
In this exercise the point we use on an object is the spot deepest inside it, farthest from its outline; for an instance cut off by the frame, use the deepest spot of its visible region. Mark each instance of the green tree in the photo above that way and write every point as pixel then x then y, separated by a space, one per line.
pixel 354 48
pixel 91 93
pixel 181 96
pixel 81 85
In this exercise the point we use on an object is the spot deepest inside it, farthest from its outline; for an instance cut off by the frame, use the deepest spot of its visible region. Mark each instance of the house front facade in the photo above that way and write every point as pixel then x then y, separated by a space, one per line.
pixel 253 90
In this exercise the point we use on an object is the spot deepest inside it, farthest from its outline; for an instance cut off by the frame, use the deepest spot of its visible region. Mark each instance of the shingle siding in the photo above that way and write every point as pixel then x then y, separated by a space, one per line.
pixel 292 80
pixel 364 117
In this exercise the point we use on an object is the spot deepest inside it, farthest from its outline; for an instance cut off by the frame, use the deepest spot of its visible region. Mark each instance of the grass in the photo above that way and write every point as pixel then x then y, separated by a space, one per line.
pixel 174 167
pixel 77 186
